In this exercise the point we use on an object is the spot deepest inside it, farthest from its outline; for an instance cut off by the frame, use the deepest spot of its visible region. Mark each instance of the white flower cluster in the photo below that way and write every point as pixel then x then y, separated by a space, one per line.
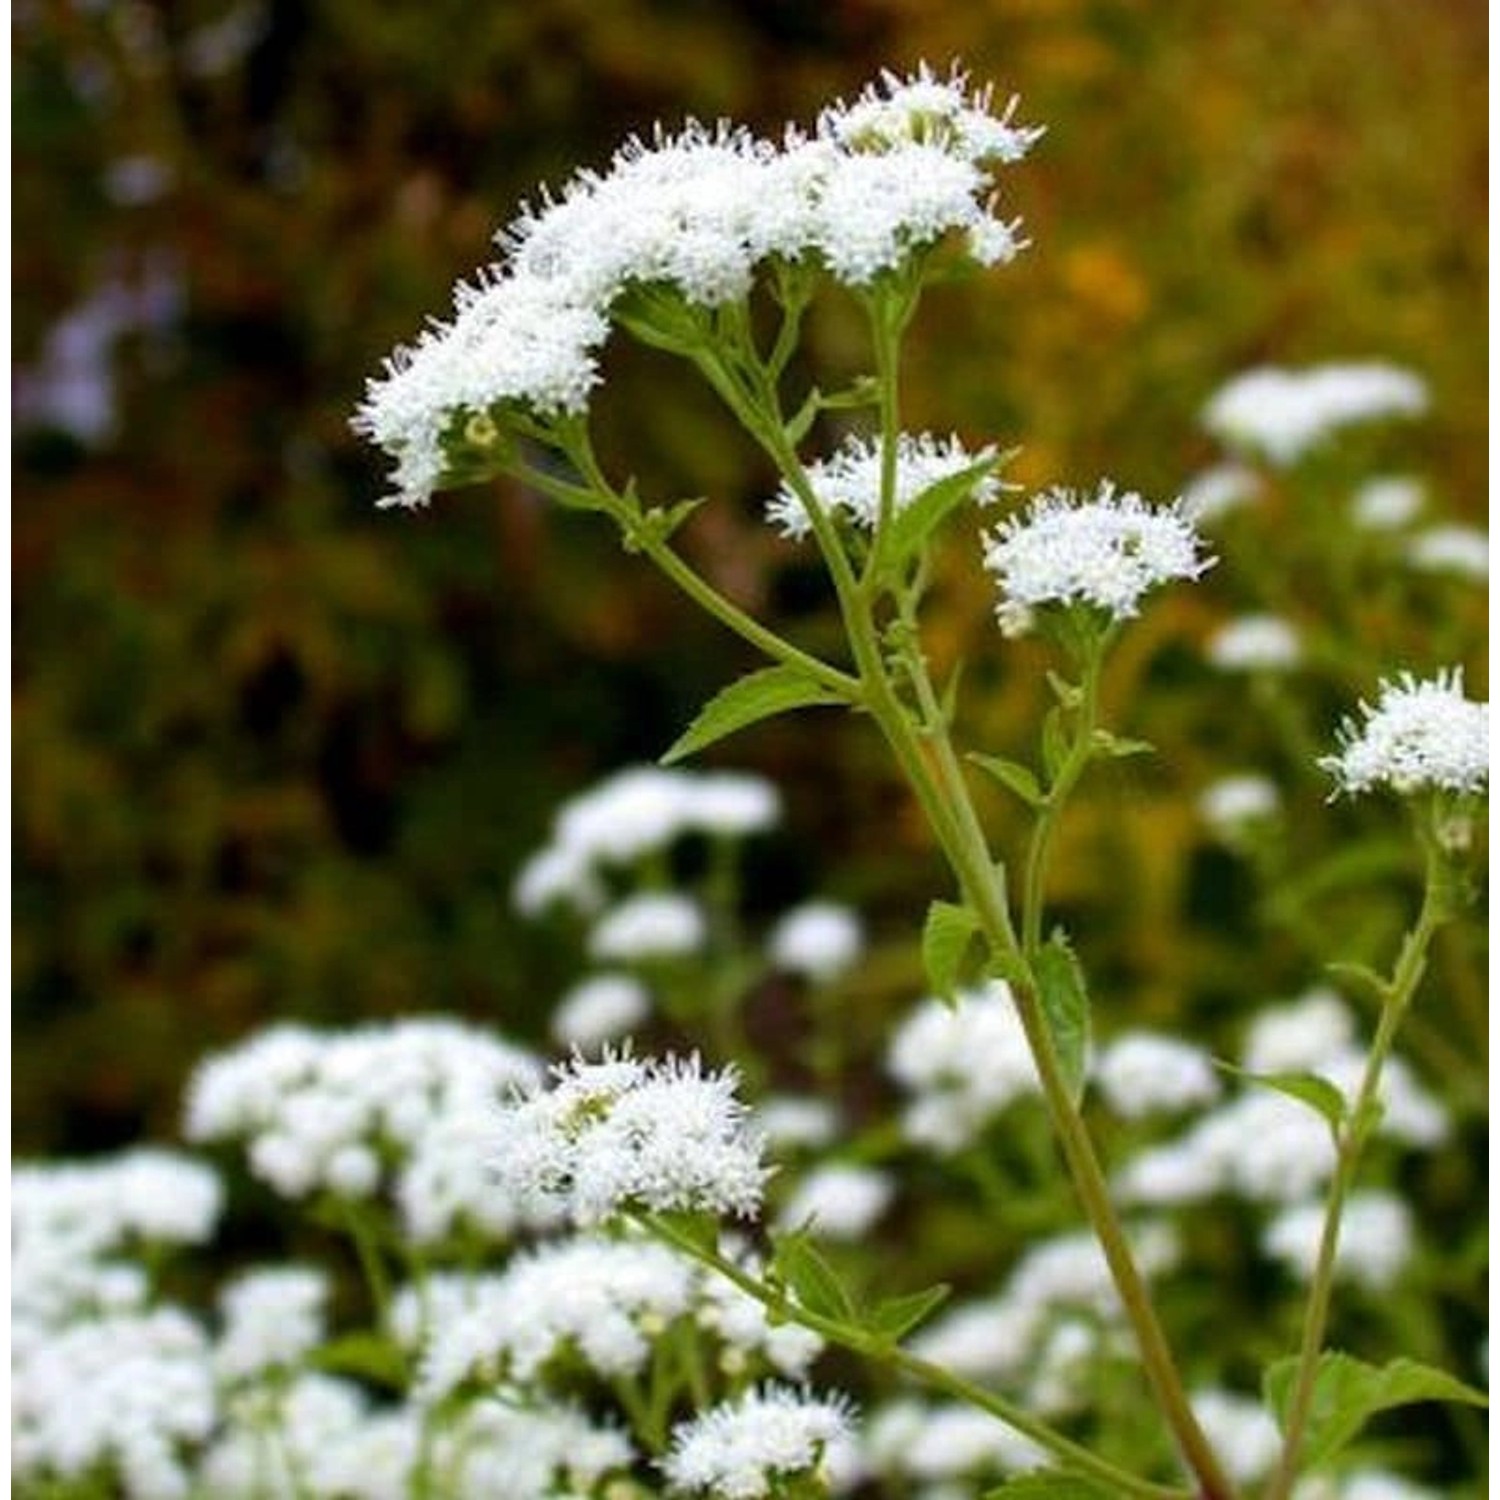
pixel 1375 1239
pixel 272 1318
pixel 943 1444
pixel 838 1201
pixel 1265 1147
pixel 1218 491
pixel 622 1133
pixel 600 1009
pixel 1255 643
pixel 411 1103
pixel 748 1448
pixel 1417 736
pixel 589 1300
pixel 632 815
pixel 693 215
pixel 819 940
pixel 1142 1073
pixel 963 1063
pixel 1243 1433
pixel 1234 803
pixel 1106 552
pixel 1387 503
pixel 1283 414
pixel 128 1393
pixel 1460 551
pixel 848 484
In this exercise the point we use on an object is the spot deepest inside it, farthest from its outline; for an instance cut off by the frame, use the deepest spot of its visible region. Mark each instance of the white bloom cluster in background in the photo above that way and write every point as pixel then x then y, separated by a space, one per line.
pixel 963 1064
pixel 1387 503
pixel 848 484
pixel 838 1201
pixel 1142 1073
pixel 1416 736
pixel 272 1318
pixel 407 1106
pixel 633 815
pixel 819 940
pixel 1283 414
pixel 1255 643
pixel 1218 491
pixel 694 216
pixel 747 1449
pixel 1459 551
pixel 621 1133
pixel 648 926
pixel 1106 551
pixel 1244 1434
pixel 1234 804
pixel 600 1009
pixel 940 1444
pixel 1375 1239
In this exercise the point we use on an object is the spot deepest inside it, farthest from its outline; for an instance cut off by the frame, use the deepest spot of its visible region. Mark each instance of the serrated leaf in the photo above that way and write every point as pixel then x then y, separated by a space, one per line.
pixel 366 1356
pixel 915 522
pixel 1048 1484
pixel 1307 1088
pixel 772 690
pixel 1012 774
pixel 1065 1004
pixel 894 1317
pixel 1347 1392
pixel 946 935
pixel 806 1273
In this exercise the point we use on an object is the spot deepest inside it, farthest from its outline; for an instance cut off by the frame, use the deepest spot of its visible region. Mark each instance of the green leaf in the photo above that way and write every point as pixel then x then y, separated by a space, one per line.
pixel 894 1317
pixel 1307 1088
pixel 806 1273
pixel 1363 976
pixel 700 1230
pixel 914 523
pixel 1116 745
pixel 946 936
pixel 772 690
pixel 1011 773
pixel 662 521
pixel 366 1356
pixel 1068 694
pixel 1347 1392
pixel 1048 1484
pixel 1065 1004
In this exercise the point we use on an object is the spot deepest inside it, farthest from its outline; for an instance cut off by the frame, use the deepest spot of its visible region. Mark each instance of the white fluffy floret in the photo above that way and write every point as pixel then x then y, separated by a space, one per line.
pixel 838 1201
pixel 745 1449
pixel 1255 643
pixel 1106 552
pixel 514 338
pixel 848 484
pixel 1234 803
pixel 273 1317
pixel 600 1009
pixel 1417 736
pixel 1282 414
pixel 820 940
pixel 347 1112
pixel 1387 503
pixel 1143 1073
pixel 649 925
pixel 963 1064
pixel 1461 551
pixel 125 1394
pixel 600 1300
pixel 621 1133
pixel 1375 1239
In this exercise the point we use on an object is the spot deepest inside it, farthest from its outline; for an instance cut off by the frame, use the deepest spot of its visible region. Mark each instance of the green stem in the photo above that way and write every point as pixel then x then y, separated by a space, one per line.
pixel 1351 1138
pixel 935 1377
pixel 377 1280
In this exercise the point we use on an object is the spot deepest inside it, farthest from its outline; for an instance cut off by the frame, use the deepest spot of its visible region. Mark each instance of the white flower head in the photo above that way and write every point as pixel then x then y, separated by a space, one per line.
pixel 620 1133
pixel 1218 491
pixel 1234 803
pixel 1387 503
pixel 745 1449
pixel 1283 414
pixel 1255 643
pixel 1143 1073
pixel 649 925
pixel 600 1009
pixel 1417 736
pixel 838 1201
pixel 1243 1432
pixel 820 940
pixel 848 484
pixel 1106 551
pixel 1460 551
pixel 1375 1239
pixel 273 1317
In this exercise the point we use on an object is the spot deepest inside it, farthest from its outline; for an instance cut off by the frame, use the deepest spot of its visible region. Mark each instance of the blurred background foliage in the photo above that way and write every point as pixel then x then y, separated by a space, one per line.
pixel 279 754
